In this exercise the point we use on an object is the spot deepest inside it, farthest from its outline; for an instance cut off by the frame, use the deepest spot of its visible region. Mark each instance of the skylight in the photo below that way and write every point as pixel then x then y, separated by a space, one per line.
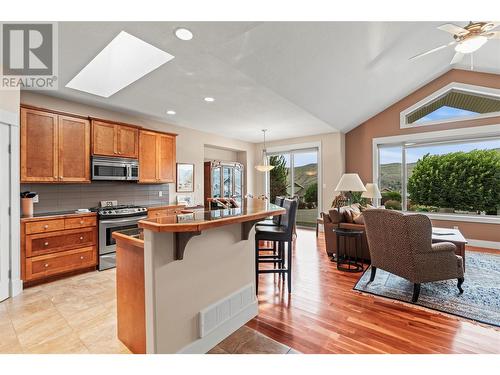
pixel 123 61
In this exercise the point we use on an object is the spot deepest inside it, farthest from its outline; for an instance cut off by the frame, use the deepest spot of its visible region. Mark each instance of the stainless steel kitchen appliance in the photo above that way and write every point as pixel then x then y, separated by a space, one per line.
pixel 114 218
pixel 112 169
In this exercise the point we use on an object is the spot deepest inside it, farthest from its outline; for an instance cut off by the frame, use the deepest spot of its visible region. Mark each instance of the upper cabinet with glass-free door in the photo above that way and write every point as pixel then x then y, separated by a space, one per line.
pixel 157 156
pixel 54 147
pixel 112 139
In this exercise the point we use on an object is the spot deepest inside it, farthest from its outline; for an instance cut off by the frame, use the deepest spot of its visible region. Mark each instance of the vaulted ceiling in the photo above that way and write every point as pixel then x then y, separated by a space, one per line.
pixel 295 79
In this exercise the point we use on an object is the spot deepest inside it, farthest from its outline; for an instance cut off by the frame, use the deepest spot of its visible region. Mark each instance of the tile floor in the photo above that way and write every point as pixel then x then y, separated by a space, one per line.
pixel 248 341
pixel 78 315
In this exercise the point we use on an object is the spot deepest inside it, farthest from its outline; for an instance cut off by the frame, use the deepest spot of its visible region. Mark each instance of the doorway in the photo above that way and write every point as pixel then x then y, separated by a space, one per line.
pixel 296 174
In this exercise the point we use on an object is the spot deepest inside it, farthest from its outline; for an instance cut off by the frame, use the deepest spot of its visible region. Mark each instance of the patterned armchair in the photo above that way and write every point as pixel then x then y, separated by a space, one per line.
pixel 402 245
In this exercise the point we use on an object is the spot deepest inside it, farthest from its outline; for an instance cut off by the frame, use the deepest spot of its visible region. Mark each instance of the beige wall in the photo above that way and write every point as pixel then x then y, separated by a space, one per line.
pixel 332 162
pixel 213 153
pixel 190 143
pixel 358 142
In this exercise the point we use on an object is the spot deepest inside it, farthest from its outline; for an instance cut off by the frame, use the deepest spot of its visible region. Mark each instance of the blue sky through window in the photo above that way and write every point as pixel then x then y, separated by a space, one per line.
pixel 390 155
pixel 445 113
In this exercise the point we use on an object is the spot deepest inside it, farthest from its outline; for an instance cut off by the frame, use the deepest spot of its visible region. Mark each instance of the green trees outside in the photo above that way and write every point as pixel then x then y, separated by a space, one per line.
pixel 311 194
pixel 468 181
pixel 278 176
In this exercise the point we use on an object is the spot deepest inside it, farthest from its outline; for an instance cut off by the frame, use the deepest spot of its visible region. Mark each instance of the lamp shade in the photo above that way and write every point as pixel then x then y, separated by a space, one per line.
pixel 350 182
pixel 372 191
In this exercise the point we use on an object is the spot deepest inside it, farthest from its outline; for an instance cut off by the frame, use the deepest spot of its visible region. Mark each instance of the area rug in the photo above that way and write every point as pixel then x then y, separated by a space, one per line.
pixel 480 300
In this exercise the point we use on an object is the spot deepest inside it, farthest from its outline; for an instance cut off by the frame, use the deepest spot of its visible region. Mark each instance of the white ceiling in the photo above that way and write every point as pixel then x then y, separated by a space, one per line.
pixel 295 79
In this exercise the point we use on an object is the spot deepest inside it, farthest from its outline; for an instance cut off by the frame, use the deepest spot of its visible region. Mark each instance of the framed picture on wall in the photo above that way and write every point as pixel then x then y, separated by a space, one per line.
pixel 185 178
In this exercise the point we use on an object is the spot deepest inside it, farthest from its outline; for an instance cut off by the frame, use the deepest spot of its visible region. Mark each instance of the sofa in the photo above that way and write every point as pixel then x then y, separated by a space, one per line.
pixel 347 217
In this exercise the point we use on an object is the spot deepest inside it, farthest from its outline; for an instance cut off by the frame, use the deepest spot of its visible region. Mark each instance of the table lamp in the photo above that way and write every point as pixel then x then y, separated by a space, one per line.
pixel 372 192
pixel 348 183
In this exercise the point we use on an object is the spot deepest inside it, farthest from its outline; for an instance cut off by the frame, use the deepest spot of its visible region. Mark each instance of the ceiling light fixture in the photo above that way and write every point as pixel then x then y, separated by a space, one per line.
pixel 183 34
pixel 471 44
pixel 209 99
pixel 170 112
pixel 123 61
pixel 264 167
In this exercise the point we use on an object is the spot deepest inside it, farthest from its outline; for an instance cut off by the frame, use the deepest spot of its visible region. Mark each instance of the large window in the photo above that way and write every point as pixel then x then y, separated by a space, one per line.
pixel 447 177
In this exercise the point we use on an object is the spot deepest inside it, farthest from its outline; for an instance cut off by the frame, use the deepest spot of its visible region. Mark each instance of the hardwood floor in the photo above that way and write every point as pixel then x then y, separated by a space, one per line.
pixel 324 315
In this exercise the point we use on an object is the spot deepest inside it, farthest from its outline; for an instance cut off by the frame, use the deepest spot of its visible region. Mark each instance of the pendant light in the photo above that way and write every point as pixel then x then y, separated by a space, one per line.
pixel 264 167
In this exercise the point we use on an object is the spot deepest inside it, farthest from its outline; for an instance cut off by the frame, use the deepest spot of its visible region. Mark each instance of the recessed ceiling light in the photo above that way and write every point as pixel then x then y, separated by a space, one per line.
pixel 171 112
pixel 123 61
pixel 183 33
pixel 209 99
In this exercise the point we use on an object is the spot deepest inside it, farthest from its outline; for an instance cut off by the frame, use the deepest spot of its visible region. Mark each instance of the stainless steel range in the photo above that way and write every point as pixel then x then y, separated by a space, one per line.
pixel 113 217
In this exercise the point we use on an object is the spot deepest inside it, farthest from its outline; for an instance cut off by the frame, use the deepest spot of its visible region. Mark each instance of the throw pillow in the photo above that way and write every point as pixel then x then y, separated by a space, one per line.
pixel 358 219
pixel 347 213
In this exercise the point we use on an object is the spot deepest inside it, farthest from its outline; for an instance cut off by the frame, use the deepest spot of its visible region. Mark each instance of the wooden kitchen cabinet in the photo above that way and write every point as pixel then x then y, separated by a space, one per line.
pixel 111 139
pixel 74 149
pixel 54 147
pixel 156 157
pixel 56 246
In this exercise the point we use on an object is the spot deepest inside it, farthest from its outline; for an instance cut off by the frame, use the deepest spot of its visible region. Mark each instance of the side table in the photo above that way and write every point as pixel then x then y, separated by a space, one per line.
pixel 346 262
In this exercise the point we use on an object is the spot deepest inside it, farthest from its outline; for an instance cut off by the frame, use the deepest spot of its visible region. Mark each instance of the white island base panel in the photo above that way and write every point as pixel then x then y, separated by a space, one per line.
pixel 194 303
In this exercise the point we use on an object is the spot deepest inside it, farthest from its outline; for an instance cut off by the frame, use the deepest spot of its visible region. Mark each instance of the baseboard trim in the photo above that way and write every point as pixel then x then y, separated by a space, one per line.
pixel 15 287
pixel 486 244
pixel 206 343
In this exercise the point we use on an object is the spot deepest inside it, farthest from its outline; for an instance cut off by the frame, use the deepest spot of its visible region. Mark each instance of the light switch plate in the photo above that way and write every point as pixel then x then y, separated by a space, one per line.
pixel 35 199
pixel 160 193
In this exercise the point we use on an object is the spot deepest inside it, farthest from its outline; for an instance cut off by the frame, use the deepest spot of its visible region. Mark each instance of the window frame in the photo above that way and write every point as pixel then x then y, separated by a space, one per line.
pixel 462 87
pixel 428 138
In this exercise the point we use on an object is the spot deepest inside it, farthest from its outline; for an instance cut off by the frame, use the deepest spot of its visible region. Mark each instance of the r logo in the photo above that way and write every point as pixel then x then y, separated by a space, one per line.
pixel 27 49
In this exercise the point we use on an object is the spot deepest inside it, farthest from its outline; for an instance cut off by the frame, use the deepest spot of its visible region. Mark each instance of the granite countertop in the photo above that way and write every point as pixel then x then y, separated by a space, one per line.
pixel 197 220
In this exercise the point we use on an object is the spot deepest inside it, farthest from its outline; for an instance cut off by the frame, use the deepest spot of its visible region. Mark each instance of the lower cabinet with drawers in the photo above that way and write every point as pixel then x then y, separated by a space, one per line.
pixel 57 245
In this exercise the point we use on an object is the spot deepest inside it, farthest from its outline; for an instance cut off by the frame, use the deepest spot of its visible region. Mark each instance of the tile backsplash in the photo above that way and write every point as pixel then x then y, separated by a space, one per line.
pixel 66 197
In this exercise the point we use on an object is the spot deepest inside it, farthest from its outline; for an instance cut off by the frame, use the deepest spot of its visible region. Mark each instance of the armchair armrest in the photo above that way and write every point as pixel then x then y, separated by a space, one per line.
pixel 441 247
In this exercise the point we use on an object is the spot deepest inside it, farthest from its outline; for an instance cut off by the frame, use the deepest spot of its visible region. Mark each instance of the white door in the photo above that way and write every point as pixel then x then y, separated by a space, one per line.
pixel 4 210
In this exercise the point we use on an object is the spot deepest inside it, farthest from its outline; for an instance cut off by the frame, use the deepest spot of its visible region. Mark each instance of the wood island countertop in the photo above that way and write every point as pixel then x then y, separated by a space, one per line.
pixel 202 219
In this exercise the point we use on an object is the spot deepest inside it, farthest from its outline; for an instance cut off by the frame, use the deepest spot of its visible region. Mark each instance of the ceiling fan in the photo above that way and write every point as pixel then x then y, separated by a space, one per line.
pixel 467 39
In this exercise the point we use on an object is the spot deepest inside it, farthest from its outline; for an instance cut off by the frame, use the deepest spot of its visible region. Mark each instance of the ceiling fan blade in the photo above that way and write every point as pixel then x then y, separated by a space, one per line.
pixel 432 50
pixel 490 26
pixel 493 35
pixel 457 58
pixel 453 29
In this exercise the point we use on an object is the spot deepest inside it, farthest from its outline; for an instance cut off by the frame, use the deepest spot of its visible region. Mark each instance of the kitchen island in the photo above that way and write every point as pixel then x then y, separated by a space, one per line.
pixel 198 275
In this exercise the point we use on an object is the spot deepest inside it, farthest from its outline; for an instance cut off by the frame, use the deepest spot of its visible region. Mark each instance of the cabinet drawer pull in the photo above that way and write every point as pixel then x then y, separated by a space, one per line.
pixel 81 238
pixel 81 257
pixel 82 222
pixel 46 265
pixel 45 226
pixel 46 244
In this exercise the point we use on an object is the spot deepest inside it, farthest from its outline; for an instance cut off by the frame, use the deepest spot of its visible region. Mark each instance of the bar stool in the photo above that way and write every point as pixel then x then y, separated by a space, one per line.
pixel 281 234
pixel 274 221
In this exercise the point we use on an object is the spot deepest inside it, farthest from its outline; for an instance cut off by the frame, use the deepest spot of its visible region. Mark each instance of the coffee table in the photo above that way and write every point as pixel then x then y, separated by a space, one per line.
pixel 450 235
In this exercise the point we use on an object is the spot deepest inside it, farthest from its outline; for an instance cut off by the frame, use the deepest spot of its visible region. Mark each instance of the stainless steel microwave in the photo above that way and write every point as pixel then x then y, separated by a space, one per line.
pixel 112 169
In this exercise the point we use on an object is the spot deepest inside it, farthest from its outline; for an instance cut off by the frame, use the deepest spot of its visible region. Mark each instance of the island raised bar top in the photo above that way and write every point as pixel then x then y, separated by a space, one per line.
pixel 251 211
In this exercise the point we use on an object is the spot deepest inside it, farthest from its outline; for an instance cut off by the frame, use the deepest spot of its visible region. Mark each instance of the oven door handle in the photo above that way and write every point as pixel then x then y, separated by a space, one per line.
pixel 126 220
